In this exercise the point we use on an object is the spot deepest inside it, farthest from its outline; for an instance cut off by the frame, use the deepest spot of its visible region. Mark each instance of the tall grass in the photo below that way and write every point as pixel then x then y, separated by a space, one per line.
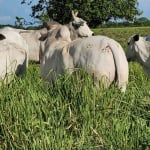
pixel 72 114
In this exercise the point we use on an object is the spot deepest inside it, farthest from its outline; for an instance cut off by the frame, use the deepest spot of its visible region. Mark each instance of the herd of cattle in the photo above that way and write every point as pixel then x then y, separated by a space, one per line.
pixel 64 47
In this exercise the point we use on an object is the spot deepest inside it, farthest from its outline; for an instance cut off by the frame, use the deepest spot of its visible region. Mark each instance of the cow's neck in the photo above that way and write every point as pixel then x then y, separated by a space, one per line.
pixel 73 32
pixel 143 48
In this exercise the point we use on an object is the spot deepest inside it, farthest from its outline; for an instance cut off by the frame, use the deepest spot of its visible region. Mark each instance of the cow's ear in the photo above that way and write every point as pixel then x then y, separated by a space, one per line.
pixel 2 37
pixel 76 13
pixel 136 37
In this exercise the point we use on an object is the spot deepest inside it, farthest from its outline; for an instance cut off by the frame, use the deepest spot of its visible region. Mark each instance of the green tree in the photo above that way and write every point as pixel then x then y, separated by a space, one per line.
pixel 94 11
pixel 142 21
pixel 44 17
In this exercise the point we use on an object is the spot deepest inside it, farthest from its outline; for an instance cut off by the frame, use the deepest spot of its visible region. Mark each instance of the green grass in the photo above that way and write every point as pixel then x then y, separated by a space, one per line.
pixel 122 34
pixel 72 114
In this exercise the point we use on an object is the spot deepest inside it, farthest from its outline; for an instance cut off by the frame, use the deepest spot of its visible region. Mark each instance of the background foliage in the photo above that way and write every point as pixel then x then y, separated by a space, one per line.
pixel 95 12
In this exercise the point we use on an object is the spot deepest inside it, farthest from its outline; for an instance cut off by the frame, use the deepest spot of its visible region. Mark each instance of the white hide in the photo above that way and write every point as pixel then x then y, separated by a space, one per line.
pixel 99 55
pixel 32 39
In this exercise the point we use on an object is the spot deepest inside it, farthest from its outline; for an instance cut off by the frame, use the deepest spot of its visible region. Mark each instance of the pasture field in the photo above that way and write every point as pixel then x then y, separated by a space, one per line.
pixel 72 114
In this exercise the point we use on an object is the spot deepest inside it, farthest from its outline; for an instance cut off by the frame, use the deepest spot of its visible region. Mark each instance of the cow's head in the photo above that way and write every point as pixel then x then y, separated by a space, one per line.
pixel 81 26
pixel 138 49
pixel 132 49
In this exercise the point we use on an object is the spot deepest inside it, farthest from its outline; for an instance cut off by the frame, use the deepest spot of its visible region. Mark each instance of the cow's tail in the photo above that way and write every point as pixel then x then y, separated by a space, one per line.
pixel 121 64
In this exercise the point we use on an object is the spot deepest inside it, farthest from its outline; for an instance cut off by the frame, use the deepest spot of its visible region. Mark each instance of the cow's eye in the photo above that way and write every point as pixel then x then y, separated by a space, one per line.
pixel 128 43
pixel 82 23
pixel 76 25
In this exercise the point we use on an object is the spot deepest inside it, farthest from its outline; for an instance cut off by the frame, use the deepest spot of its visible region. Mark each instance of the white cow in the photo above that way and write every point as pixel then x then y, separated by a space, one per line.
pixel 139 51
pixel 32 39
pixel 99 55
pixel 13 55
pixel 77 28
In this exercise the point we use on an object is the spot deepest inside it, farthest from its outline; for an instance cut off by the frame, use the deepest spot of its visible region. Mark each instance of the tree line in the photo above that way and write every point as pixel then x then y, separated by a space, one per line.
pixel 95 12
pixel 142 21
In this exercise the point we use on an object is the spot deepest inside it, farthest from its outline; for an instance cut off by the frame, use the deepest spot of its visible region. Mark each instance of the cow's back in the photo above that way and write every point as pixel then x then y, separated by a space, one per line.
pixel 101 56
pixel 14 37
pixel 32 39
pixel 95 56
